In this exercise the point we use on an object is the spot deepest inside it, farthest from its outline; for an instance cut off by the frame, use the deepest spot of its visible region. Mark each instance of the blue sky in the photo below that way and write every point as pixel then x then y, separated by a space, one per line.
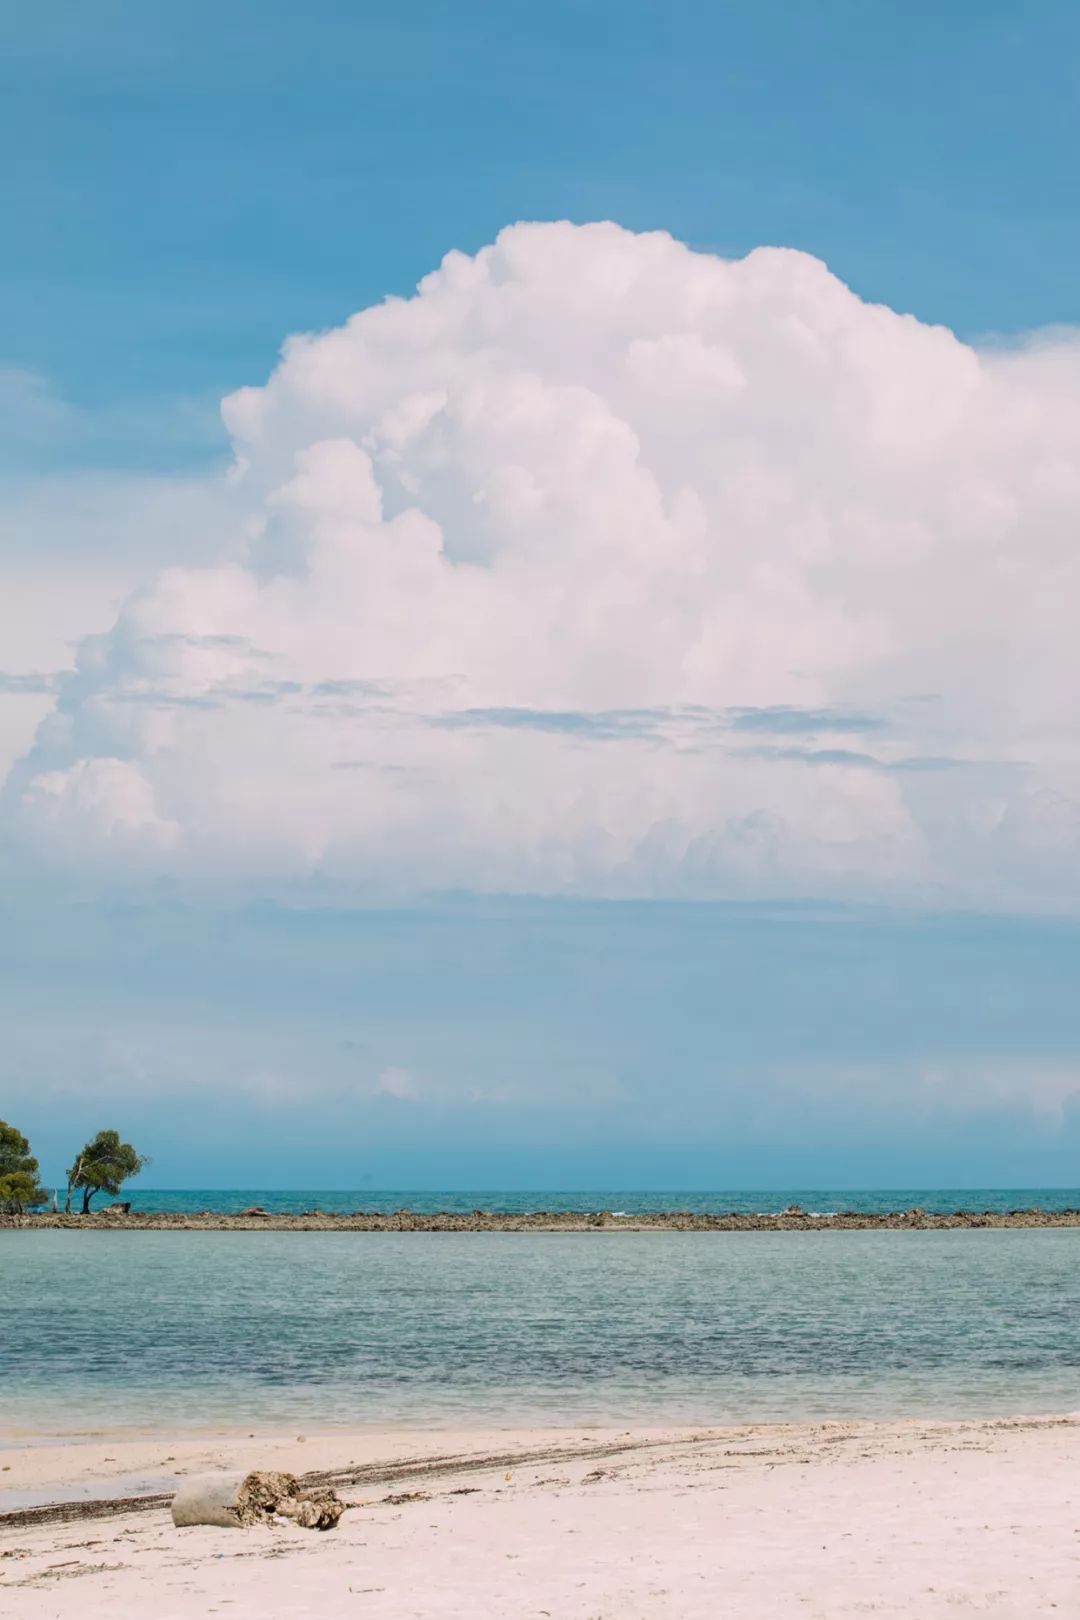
pixel 193 181
pixel 548 1044
pixel 606 720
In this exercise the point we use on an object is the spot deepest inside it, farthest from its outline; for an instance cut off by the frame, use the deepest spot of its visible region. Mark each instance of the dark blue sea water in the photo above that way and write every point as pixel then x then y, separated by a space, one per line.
pixel 813 1199
pixel 172 1331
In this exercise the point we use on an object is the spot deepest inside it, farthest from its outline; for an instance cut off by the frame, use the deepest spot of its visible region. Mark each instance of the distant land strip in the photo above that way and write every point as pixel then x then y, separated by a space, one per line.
pixel 481 1220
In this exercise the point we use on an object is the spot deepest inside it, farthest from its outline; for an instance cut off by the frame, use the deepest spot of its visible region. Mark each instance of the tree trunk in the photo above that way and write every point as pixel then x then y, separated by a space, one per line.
pixel 72 1179
pixel 88 1193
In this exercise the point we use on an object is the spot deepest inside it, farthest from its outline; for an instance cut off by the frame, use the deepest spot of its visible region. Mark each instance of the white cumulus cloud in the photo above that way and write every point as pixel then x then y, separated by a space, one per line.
pixel 604 566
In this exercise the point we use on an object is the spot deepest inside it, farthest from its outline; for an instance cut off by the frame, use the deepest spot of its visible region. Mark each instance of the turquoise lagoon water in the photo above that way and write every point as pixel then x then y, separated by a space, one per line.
pixel 192 1331
pixel 817 1199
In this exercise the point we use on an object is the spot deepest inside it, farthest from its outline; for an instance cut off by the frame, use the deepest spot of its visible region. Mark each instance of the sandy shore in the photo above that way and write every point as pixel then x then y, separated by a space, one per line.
pixel 903 1521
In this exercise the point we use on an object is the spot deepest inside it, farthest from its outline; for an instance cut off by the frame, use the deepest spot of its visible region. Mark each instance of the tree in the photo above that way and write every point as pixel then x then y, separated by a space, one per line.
pixel 19 1187
pixel 104 1164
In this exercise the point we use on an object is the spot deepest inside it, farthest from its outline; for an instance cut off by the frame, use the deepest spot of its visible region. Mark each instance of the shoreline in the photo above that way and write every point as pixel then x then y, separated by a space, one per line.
pixel 896 1518
pixel 405 1220
pixel 107 1461
pixel 107 1464
pixel 39 1460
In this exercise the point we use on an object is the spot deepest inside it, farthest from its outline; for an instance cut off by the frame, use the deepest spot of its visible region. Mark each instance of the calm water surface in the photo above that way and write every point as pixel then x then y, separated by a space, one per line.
pixel 819 1199
pixel 188 1331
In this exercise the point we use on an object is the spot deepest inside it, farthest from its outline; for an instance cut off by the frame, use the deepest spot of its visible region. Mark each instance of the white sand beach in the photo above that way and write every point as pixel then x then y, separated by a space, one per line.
pixel 904 1521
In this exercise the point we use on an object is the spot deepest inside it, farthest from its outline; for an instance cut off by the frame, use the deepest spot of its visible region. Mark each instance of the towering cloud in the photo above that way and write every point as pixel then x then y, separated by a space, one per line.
pixel 603 566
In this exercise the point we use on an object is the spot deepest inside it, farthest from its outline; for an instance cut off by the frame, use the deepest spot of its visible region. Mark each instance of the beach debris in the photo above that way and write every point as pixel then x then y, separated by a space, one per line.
pixel 794 1209
pixel 398 1497
pixel 234 1501
pixel 256 1211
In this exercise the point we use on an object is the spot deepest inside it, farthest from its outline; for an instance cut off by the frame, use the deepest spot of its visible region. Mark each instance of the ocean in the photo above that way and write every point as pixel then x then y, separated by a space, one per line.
pixel 817 1200
pixel 192 1331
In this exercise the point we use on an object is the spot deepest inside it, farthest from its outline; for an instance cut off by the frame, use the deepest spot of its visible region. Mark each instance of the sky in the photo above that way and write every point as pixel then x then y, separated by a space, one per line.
pixel 537 551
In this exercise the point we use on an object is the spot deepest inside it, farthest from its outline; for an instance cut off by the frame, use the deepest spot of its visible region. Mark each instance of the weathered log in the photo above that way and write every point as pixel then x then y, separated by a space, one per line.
pixel 234 1501
pixel 211 1499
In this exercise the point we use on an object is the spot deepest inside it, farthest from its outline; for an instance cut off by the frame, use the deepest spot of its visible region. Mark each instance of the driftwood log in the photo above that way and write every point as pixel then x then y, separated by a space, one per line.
pixel 234 1501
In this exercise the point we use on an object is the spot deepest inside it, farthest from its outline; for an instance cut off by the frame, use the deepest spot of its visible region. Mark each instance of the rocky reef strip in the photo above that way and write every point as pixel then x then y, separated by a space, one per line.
pixel 480 1220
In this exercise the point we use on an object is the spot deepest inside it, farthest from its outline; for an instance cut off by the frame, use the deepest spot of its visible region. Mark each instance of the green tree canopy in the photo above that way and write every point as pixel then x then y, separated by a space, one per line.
pixel 19 1187
pixel 104 1164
